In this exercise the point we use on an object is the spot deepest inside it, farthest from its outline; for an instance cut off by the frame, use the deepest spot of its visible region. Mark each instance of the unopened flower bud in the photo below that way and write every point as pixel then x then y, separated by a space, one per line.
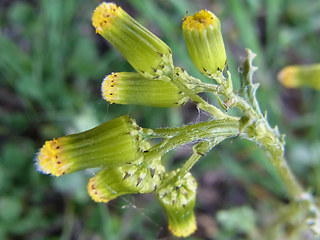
pixel 144 51
pixel 137 177
pixel 204 42
pixel 301 76
pixel 178 200
pixel 133 88
pixel 109 145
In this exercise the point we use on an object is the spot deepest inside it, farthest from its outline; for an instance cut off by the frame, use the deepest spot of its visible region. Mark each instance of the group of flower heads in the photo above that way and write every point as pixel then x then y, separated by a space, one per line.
pixel 120 147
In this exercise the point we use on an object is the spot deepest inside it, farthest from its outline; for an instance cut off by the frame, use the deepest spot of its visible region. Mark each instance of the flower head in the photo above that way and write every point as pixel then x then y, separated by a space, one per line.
pixel 137 177
pixel 301 76
pixel 144 51
pixel 133 88
pixel 204 42
pixel 109 145
pixel 178 200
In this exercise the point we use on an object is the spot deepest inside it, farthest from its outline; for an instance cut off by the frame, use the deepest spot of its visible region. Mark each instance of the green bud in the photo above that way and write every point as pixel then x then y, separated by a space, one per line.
pixel 111 144
pixel 144 51
pixel 204 42
pixel 137 177
pixel 178 200
pixel 133 88
pixel 301 76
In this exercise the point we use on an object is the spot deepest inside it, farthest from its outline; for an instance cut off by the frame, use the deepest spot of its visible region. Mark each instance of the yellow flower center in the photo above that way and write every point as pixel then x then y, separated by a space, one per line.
pixel 109 87
pixel 103 16
pixel 50 159
pixel 200 20
pixel 185 231
pixel 288 76
pixel 94 193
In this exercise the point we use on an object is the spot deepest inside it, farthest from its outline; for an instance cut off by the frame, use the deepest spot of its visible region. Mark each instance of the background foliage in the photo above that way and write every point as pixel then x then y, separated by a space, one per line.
pixel 51 68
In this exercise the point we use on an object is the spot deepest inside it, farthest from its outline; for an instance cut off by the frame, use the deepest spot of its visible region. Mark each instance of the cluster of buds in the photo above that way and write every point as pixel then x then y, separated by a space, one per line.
pixel 119 147
pixel 152 84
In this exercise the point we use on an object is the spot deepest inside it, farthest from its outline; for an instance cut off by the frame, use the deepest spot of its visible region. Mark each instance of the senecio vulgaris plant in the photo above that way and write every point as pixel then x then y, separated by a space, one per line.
pixel 122 149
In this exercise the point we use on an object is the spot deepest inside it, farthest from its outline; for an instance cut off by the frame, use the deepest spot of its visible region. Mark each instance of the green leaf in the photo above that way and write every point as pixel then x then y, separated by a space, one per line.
pixel 248 88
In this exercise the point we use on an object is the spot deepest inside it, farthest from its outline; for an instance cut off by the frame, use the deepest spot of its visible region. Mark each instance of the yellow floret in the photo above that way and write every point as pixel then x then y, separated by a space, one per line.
pixel 288 77
pixel 183 232
pixel 94 193
pixel 49 159
pixel 201 20
pixel 109 87
pixel 103 15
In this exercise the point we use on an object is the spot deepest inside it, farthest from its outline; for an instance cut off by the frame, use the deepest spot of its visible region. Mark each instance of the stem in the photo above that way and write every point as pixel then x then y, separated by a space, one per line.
pixel 206 87
pixel 283 215
pixel 244 106
pixel 193 159
pixel 252 126
pixel 263 134
pixel 180 78
pixel 220 128
pixel 278 160
pixel 199 150
pixel 214 126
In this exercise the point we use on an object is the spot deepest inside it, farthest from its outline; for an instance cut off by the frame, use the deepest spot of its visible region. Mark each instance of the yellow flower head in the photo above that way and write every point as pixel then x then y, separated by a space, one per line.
pixel 137 177
pixel 134 88
pixel 301 76
pixel 204 42
pixel 109 88
pixel 201 20
pixel 178 200
pixel 104 15
pixel 146 53
pixel 111 144
pixel 51 160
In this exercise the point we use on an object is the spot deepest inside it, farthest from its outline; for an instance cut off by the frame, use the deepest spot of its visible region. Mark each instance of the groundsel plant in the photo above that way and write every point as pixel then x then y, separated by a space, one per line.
pixel 123 150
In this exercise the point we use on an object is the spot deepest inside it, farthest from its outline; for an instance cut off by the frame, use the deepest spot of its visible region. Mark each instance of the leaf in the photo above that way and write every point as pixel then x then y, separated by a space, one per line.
pixel 248 88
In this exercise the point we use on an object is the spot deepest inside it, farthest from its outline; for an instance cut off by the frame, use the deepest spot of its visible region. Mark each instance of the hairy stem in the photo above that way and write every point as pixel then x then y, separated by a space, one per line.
pixel 180 79
pixel 220 128
pixel 199 150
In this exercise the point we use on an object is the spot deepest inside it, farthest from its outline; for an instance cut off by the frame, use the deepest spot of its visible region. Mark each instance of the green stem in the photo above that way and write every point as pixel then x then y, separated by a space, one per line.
pixel 193 159
pixel 282 216
pixel 279 162
pixel 210 127
pixel 261 133
pixel 206 87
pixel 221 128
pixel 244 106
pixel 180 79
pixel 199 150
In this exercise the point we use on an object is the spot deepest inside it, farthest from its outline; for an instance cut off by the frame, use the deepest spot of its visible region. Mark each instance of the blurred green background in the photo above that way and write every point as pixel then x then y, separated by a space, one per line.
pixel 51 67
